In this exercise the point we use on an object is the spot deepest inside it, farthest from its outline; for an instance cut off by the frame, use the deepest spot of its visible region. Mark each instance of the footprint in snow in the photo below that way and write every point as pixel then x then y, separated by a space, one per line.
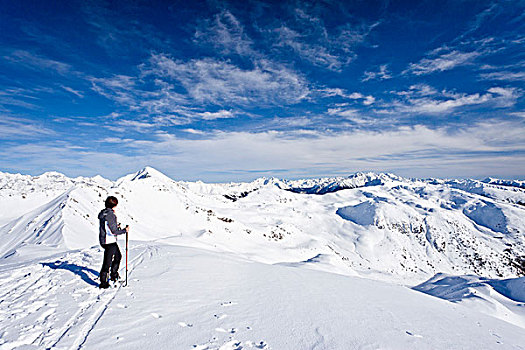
pixel 232 345
pixel 414 335
pixel 228 303
pixel 261 345
pixel 222 330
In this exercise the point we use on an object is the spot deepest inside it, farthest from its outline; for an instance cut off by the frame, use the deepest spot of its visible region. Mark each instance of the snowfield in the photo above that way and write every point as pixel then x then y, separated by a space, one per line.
pixel 367 261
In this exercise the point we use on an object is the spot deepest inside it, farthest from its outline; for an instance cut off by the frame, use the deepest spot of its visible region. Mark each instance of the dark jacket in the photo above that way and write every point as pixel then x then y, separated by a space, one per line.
pixel 108 228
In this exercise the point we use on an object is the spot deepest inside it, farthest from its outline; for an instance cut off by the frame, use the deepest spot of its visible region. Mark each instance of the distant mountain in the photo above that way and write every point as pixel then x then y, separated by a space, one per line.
pixel 377 225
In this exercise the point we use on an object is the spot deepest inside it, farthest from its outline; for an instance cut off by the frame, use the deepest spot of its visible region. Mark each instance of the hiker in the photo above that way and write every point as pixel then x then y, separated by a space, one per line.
pixel 108 231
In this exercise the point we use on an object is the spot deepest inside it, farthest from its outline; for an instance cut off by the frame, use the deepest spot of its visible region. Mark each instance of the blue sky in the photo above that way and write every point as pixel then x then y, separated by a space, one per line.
pixel 228 91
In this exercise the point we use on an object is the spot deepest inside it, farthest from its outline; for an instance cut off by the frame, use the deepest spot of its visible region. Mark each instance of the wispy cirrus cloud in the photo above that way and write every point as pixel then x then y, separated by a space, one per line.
pixel 218 82
pixel 441 62
pixel 381 74
pixel 176 92
pixel 478 20
pixel 352 115
pixel 226 33
pixel 72 91
pixel 423 99
pixel 504 76
pixel 120 88
pixel 15 127
pixel 312 41
pixel 120 34
pixel 330 92
pixel 417 90
pixel 26 59
pixel 25 97
pixel 9 100
pixel 316 54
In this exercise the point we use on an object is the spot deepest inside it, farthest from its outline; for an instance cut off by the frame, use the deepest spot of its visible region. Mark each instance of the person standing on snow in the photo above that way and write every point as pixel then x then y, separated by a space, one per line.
pixel 108 231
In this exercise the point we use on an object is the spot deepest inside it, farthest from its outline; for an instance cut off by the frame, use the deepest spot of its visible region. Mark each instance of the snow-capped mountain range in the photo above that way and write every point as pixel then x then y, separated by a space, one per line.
pixel 378 225
pixel 408 232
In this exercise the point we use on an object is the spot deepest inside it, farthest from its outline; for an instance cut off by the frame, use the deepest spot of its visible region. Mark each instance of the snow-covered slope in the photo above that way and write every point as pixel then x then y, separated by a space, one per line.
pixel 187 298
pixel 378 226
pixel 504 299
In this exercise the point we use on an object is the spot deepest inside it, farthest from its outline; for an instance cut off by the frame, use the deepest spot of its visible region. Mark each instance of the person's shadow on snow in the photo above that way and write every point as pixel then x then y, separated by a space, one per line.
pixel 77 270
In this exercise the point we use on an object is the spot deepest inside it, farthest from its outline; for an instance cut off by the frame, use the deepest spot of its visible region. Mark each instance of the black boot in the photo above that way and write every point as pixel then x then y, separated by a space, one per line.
pixel 114 276
pixel 104 280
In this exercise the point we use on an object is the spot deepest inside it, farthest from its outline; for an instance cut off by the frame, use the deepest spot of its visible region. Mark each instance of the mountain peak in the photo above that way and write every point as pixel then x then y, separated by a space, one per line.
pixel 51 174
pixel 145 173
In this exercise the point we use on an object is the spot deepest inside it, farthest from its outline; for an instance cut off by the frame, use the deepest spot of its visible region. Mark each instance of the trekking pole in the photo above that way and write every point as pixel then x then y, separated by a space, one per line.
pixel 126 284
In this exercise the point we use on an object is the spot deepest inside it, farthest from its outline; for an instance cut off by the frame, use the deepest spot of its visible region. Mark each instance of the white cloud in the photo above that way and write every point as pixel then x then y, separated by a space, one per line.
pixel 164 105
pixel 194 131
pixel 222 114
pixel 316 54
pixel 505 97
pixel 32 61
pixel 504 75
pixel 73 91
pixel 352 115
pixel 7 99
pixel 431 106
pixel 314 152
pixel 343 112
pixel 489 148
pixel 419 90
pixel 120 88
pixel 226 33
pixel 217 82
pixel 442 62
pixel 140 126
pixel 349 35
pixel 423 99
pixel 331 92
pixel 518 114
pixel 12 128
pixel 322 46
pixel 355 96
pixel 369 100
pixel 382 74
pixel 26 97
pixel 116 140
pixel 478 20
